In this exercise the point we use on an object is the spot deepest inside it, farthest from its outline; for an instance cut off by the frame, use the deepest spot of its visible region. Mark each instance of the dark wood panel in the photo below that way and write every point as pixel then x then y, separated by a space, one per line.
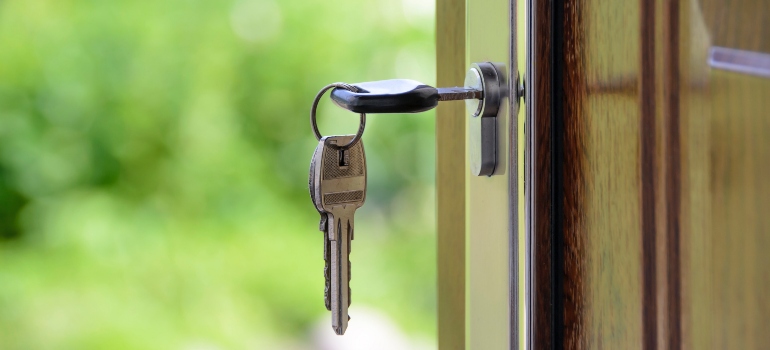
pixel 539 161
pixel 669 255
pixel 570 149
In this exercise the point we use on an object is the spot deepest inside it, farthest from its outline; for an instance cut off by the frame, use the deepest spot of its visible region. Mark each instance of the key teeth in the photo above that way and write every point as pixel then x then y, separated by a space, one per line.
pixel 322 223
pixel 327 300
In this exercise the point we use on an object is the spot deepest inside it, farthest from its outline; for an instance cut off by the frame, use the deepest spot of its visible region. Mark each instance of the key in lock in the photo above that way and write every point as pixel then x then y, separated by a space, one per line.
pixel 484 92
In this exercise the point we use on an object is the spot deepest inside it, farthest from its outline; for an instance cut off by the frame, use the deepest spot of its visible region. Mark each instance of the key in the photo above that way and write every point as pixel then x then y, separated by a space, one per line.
pixel 486 88
pixel 322 224
pixel 399 96
pixel 340 189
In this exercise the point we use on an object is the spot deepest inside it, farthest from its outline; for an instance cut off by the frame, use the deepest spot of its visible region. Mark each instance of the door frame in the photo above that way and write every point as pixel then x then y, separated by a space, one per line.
pixel 480 236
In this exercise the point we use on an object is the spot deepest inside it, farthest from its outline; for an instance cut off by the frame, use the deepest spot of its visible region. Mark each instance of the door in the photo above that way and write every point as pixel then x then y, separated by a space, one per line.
pixel 649 200
pixel 637 200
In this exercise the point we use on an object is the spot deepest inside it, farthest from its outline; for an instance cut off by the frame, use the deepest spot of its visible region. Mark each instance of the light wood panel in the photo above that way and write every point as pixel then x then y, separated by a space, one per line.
pixel 492 203
pixel 450 175
pixel 725 167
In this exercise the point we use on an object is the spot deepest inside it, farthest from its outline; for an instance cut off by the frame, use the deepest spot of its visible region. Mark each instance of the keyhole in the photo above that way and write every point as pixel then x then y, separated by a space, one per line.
pixel 344 157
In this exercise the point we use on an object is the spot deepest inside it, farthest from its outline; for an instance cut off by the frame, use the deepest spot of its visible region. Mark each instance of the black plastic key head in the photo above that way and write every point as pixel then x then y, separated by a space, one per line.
pixel 388 96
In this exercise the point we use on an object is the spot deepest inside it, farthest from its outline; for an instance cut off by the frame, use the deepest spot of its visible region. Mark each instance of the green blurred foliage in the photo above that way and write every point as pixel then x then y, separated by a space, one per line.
pixel 153 170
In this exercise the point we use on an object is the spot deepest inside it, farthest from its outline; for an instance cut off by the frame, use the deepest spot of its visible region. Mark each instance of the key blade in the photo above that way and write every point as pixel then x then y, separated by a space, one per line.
pixel 322 223
pixel 341 226
pixel 458 93
pixel 327 269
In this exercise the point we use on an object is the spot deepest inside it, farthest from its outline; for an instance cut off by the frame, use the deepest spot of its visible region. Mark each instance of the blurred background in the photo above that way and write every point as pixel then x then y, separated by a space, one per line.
pixel 154 160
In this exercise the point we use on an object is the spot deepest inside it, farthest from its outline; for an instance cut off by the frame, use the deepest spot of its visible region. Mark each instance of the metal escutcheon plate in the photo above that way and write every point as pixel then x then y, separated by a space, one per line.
pixel 482 127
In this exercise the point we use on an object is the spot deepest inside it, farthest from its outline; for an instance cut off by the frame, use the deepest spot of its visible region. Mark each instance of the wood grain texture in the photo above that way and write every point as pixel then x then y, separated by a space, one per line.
pixel 652 197
pixel 608 189
pixel 648 164
pixel 731 250
pixel 450 175
pixel 672 154
pixel 570 164
pixel 541 162
pixel 594 161
pixel 725 161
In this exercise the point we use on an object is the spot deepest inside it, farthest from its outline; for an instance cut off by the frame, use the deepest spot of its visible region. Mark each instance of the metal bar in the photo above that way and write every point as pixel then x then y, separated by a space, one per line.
pixel 741 61
pixel 459 93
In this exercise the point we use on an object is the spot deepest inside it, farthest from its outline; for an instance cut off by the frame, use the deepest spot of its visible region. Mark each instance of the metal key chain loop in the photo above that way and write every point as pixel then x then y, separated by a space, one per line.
pixel 313 118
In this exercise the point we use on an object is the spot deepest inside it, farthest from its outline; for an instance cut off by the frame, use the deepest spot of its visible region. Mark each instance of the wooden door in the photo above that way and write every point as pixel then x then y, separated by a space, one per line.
pixel 648 192
pixel 638 212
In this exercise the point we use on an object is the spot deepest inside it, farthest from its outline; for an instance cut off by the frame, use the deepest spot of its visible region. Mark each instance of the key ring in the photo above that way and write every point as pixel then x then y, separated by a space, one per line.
pixel 314 124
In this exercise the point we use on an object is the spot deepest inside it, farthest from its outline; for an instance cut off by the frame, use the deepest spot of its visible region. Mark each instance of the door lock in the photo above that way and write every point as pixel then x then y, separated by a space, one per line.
pixel 485 89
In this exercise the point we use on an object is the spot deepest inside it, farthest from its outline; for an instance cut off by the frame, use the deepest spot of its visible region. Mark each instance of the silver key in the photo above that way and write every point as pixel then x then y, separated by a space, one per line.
pixel 314 174
pixel 340 189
